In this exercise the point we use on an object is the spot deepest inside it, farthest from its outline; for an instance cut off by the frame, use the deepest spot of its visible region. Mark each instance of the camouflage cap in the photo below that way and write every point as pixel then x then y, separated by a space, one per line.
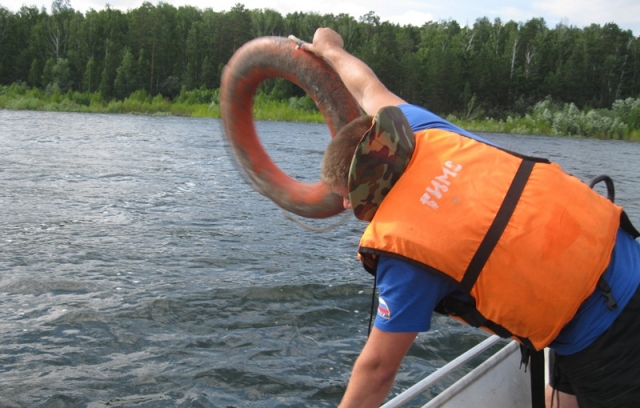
pixel 379 161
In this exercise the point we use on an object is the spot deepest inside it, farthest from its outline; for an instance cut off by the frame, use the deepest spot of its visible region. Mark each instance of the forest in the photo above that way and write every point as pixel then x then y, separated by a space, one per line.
pixel 494 70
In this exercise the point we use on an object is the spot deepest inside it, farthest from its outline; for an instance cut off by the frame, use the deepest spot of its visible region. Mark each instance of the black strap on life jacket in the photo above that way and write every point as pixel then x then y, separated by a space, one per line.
pixel 534 360
pixel 537 379
pixel 625 222
pixel 627 226
pixel 373 306
pixel 499 224
pixel 467 311
pixel 611 191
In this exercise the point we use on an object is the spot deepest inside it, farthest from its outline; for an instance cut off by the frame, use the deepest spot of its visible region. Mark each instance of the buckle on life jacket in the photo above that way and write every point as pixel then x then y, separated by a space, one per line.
pixel 606 291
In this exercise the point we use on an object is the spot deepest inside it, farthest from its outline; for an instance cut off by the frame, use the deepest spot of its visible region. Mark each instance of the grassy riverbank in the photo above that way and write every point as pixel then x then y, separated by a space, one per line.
pixel 621 122
pixel 197 103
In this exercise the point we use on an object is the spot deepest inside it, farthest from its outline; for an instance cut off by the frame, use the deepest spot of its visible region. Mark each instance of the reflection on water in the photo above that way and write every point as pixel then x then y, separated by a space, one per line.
pixel 138 270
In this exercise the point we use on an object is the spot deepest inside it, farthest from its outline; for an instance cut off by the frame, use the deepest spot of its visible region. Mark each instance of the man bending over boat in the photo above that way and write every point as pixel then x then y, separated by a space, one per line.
pixel 502 241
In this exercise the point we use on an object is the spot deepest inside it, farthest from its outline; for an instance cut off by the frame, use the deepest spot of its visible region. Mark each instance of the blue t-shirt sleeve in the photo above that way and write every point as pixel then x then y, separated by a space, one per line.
pixel 407 296
pixel 420 119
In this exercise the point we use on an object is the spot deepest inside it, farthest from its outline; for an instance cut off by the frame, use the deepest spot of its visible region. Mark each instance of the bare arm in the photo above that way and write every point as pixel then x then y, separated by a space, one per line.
pixel 360 80
pixel 375 369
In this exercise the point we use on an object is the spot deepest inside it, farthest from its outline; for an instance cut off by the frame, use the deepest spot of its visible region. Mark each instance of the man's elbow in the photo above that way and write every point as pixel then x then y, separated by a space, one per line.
pixel 386 377
pixel 381 373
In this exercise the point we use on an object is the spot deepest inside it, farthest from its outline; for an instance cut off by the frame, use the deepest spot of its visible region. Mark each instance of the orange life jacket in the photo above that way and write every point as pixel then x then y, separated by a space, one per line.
pixel 524 239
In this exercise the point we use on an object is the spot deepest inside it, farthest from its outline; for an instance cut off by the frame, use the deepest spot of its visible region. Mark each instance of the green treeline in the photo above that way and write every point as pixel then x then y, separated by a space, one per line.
pixel 502 76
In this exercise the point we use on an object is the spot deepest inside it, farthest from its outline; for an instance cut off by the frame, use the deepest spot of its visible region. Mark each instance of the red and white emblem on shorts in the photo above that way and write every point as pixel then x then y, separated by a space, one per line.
pixel 383 309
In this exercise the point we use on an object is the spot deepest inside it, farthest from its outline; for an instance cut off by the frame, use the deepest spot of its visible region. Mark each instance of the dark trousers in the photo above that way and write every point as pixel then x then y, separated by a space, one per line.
pixel 607 373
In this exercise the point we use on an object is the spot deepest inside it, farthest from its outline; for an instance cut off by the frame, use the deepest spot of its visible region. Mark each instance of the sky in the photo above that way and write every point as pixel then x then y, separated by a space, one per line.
pixel 579 13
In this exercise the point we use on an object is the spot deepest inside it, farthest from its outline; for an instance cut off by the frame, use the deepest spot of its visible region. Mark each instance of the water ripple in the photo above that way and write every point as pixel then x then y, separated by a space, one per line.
pixel 138 270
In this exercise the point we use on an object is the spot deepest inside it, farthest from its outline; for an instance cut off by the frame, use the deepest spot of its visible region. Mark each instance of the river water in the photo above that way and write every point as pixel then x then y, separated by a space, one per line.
pixel 137 269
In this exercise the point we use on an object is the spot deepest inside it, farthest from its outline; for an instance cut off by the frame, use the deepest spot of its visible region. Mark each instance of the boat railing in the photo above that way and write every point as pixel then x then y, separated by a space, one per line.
pixel 428 382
